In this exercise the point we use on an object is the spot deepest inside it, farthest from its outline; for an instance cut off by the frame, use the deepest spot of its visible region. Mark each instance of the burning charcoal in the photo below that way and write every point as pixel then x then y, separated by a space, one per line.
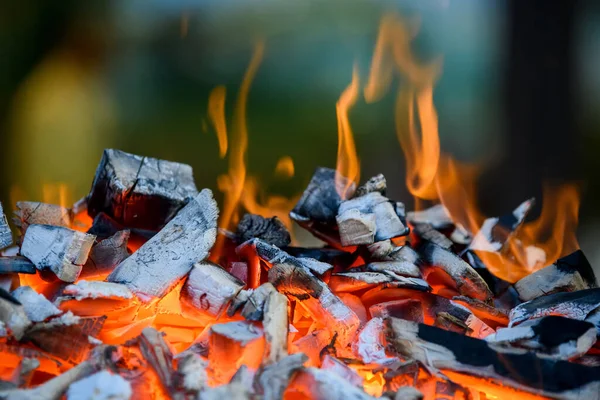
pixel 323 254
pixel 460 355
pixel 16 264
pixel 191 370
pixel 107 254
pixel 312 344
pixel 158 354
pixel 272 255
pixel 234 344
pixel 171 253
pixel 270 230
pixel 356 228
pixel 334 365
pixel 239 270
pixel 437 217
pixel 468 282
pixel 24 372
pixel 36 306
pixel 239 301
pixel 100 386
pixel 96 290
pixel 408 393
pixel 231 391
pixel 410 309
pixel 376 183
pixel 32 212
pixel 5 232
pixel 495 232
pixel 140 192
pixel 575 305
pixel 323 305
pixel 427 233
pixel 104 227
pixel 370 345
pixel 13 315
pixel 210 288
pixel 380 250
pixel 557 337
pixel 273 380
pixel 565 275
pixel 354 281
pixel 388 224
pixel 67 336
pixel 60 249
pixel 404 268
pixel 488 314
pixel 431 384
pixel 320 384
pixel 275 325
pixel 320 201
pixel 254 308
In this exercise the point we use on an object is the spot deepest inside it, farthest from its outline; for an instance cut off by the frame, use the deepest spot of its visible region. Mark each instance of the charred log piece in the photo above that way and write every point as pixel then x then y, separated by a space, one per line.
pixel 497 286
pixel 426 232
pixel 107 254
pixel 565 275
pixel 16 264
pixel 6 238
pixel 356 228
pixel 140 192
pixel 254 307
pixel 272 381
pixel 557 337
pixel 388 224
pixel 494 317
pixel 209 288
pixel 232 345
pixel 191 373
pixel 370 345
pixel 33 212
pixel 495 232
pixel 67 336
pixel 437 217
pixel 62 250
pixel 104 227
pixel 320 201
pixel 158 354
pixel 13 315
pixel 376 183
pixel 156 266
pixel 409 309
pixel 320 384
pixel 355 281
pixel 468 282
pixel 457 354
pixel 270 230
pixel 273 255
pixel 275 326
pixel 324 306
pixel 36 306
pixel 403 268
pixel 95 290
pixel 101 385
pixel 578 305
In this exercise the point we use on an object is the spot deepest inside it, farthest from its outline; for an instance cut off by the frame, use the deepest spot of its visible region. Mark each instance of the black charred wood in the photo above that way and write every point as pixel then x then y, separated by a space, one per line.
pixel 270 230
pixel 17 264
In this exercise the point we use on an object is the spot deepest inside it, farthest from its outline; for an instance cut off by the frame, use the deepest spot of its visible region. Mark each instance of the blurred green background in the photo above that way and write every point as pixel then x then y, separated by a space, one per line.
pixel 78 77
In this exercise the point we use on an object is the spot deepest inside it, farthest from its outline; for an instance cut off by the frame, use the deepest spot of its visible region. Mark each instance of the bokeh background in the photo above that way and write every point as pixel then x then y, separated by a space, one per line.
pixel 519 91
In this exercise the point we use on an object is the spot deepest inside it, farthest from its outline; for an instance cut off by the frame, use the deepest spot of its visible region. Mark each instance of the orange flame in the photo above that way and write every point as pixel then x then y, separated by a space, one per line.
pixel 216 114
pixel 348 165
pixel 285 167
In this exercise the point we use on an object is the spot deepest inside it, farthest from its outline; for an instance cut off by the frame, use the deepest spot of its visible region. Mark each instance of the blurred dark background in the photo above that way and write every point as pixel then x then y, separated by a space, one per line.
pixel 519 90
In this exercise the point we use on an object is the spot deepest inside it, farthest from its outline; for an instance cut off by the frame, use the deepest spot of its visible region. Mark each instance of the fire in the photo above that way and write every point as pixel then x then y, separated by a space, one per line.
pixel 216 114
pixel 285 167
pixel 348 165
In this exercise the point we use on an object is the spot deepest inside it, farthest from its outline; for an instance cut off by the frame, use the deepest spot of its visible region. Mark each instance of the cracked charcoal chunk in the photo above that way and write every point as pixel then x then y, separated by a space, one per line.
pixel 5 232
pixel 140 192
pixel 271 230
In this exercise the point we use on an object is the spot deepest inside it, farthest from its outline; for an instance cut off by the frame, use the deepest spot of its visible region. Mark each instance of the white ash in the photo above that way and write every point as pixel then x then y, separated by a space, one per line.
pixel 192 368
pixel 37 307
pixel 100 386
pixel 370 344
pixel 436 216
pixel 97 290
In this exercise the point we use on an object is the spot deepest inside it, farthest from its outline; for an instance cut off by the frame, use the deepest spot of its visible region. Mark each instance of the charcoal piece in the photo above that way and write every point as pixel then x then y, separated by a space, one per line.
pixel 5 232
pixel 324 254
pixel 254 307
pixel 554 336
pixel 16 264
pixel 104 227
pixel 468 282
pixel 426 232
pixel 166 258
pixel 272 380
pixel 275 326
pixel 332 364
pixel 13 315
pixel 370 345
pixel 320 201
pixel 319 384
pixel 432 384
pixel 101 385
pixel 317 297
pixel 33 212
pixel 490 315
pixel 408 393
pixel 404 268
pixel 107 254
pixel 239 301
pixel 381 250
pixel 376 183
pixel 270 230
pixel 272 254
pixel 62 250
pixel 575 305
pixel 355 281
pixel 578 261
pixel 96 290
pixel 404 253
pixel 495 232
pixel 231 391
pixel 209 288
pixel 548 280
pixel 462 355
pixel 437 217
pixel 140 192
pixel 191 373
pixel 36 306
pixel 157 352
pixel 460 235
pixel 388 224
pixel 356 227
pixel 497 285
